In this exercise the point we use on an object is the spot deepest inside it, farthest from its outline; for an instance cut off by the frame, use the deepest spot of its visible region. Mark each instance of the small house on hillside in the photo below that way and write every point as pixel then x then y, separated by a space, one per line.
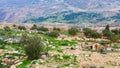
pixel 97 47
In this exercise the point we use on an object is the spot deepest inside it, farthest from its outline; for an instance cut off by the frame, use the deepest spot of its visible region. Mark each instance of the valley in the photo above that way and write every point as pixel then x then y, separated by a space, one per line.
pixel 65 11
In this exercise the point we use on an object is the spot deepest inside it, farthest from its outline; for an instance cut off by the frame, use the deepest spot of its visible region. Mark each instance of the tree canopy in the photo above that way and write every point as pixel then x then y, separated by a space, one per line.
pixel 73 31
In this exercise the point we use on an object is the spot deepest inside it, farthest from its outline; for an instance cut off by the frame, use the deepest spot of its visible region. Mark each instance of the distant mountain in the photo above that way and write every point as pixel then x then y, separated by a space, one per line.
pixel 66 11
pixel 94 4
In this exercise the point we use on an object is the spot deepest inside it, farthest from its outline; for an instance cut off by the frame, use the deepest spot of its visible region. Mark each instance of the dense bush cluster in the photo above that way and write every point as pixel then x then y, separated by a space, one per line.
pixel 112 35
pixel 33 46
pixel 42 29
pixel 90 33
pixel 73 31
pixel 35 27
pixel 21 27
pixel 56 29
pixel 7 28
pixel 54 34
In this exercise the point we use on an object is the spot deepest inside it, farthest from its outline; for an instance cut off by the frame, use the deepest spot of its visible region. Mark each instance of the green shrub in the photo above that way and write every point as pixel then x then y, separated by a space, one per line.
pixel 2 42
pixel 92 66
pixel 103 43
pixel 2 46
pixel 21 28
pixel 115 46
pixel 102 51
pixel 1 65
pixel 7 28
pixel 60 50
pixel 72 48
pixel 57 58
pixel 24 39
pixel 101 67
pixel 56 29
pixel 66 57
pixel 14 25
pixel 73 31
pixel 87 31
pixel 95 35
pixel 34 27
pixel 42 29
pixel 54 34
pixel 33 47
pixel 74 58
pixel 90 33
pixel 116 31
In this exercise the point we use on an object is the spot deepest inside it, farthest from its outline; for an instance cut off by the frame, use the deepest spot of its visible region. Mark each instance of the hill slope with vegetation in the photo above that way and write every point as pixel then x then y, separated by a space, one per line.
pixel 83 11
pixel 76 18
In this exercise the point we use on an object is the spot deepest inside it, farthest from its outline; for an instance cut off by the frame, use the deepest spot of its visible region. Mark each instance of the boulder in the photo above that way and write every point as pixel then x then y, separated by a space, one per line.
pixel 7 61
pixel 12 66
pixel 18 63
pixel 44 57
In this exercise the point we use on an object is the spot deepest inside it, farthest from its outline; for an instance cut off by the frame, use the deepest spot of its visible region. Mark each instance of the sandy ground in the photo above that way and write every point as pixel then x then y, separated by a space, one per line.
pixel 87 58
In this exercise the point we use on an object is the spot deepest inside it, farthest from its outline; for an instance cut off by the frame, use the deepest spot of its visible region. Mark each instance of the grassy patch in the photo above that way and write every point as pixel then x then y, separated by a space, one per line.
pixel 2 46
pixel 63 43
pixel 24 64
pixel 115 47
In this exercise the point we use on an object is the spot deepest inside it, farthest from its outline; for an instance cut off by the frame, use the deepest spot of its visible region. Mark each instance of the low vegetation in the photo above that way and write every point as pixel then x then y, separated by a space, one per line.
pixel 90 33
pixel 51 48
pixel 21 27
pixel 33 46
pixel 54 33
pixel 73 31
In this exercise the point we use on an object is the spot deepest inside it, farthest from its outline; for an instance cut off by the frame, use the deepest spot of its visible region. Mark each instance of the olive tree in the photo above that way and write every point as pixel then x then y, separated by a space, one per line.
pixel 54 34
pixel 7 28
pixel 21 27
pixel 73 31
pixel 91 33
pixel 34 27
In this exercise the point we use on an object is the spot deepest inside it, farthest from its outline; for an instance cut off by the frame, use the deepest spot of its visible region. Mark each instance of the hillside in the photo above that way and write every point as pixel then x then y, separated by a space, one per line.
pixel 77 18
